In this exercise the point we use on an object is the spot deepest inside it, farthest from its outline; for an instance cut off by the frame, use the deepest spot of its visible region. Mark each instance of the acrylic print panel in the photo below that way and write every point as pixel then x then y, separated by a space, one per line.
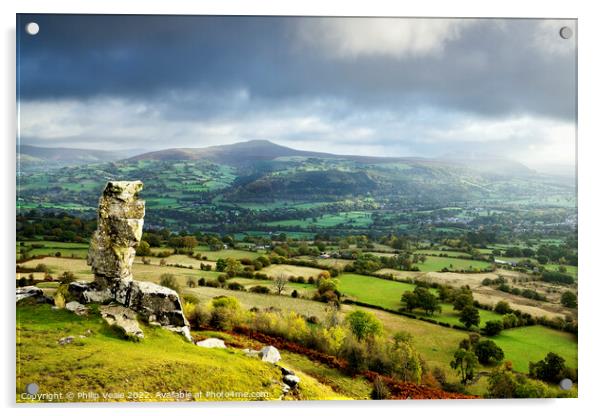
pixel 215 208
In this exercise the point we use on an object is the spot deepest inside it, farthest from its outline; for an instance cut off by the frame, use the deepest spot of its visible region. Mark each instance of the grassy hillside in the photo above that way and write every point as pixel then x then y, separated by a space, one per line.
pixel 103 362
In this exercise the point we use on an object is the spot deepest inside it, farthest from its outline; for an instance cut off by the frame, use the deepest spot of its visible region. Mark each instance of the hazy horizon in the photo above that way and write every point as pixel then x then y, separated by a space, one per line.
pixel 366 86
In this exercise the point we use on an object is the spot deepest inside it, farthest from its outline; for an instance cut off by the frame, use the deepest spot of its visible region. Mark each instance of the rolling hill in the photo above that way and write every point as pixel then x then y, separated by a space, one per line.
pixel 228 186
pixel 37 157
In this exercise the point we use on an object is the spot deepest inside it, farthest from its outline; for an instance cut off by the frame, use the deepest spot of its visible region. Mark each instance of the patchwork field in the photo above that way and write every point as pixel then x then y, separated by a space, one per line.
pixel 435 264
pixel 387 294
pixel 287 270
pixel 532 343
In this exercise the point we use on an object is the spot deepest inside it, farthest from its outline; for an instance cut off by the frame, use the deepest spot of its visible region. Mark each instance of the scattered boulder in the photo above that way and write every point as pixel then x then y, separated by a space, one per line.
pixel 88 292
pixel 32 292
pixel 211 343
pixel 291 380
pixel 66 340
pixel 153 302
pixel 76 308
pixel 122 318
pixel 251 353
pixel 270 354
pixel 286 371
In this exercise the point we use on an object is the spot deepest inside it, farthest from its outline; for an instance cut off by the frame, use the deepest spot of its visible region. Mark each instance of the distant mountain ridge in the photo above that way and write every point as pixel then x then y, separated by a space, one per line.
pixel 45 157
pixel 249 152
pixel 257 150
pixel 253 150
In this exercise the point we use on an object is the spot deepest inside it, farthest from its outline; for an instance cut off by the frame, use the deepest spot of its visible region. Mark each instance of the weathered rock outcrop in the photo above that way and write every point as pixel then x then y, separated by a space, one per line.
pixel 76 308
pixel 111 255
pixel 31 292
pixel 122 318
pixel 113 244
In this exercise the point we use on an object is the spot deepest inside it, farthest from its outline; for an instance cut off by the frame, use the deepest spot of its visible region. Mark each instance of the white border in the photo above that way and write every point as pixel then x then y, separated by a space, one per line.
pixel 590 215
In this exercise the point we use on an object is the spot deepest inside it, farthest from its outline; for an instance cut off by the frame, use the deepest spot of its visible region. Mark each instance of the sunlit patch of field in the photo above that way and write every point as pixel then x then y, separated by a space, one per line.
pixel 288 270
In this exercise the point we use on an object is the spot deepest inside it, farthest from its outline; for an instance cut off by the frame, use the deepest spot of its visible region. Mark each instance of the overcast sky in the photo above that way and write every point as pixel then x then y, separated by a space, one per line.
pixel 378 86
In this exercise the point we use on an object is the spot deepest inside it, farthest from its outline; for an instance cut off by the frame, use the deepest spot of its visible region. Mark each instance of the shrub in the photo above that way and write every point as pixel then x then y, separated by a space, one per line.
pixel 260 289
pixel 201 281
pixel 364 325
pixel 235 286
pixel 356 355
pixel 504 384
pixel 549 369
pixel 225 313
pixel 191 282
pixel 557 277
pixel 488 352
pixel 510 320
pixel 213 283
pixel 294 293
pixel 143 249
pixel 502 307
pixel 569 299
pixel 470 316
pixel 66 278
pixel 190 299
pixel 493 328
pixel 169 280
pixel 380 391
pixel 197 315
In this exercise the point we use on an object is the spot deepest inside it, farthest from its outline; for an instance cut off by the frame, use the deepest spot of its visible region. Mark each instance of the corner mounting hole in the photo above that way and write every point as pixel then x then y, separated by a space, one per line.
pixel 32 28
pixel 566 32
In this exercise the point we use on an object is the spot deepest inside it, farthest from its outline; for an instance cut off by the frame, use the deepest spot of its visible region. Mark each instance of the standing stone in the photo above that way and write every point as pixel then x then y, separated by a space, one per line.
pixel 113 244
pixel 111 255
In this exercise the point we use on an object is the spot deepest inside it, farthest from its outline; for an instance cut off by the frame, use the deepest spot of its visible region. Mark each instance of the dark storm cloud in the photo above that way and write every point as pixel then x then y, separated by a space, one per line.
pixel 406 87
pixel 491 69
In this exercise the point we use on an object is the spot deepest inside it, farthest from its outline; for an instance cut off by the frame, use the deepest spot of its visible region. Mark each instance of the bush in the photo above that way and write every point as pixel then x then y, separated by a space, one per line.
pixel 364 324
pixel 190 282
pixel 380 391
pixel 569 299
pixel 225 313
pixel 470 317
pixel 143 249
pixel 190 299
pixel 504 384
pixel 198 315
pixel 356 355
pixel 260 289
pixel 549 369
pixel 488 352
pixel 502 307
pixel 235 286
pixel 294 293
pixel 557 277
pixel 493 328
pixel 169 280
pixel 66 278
